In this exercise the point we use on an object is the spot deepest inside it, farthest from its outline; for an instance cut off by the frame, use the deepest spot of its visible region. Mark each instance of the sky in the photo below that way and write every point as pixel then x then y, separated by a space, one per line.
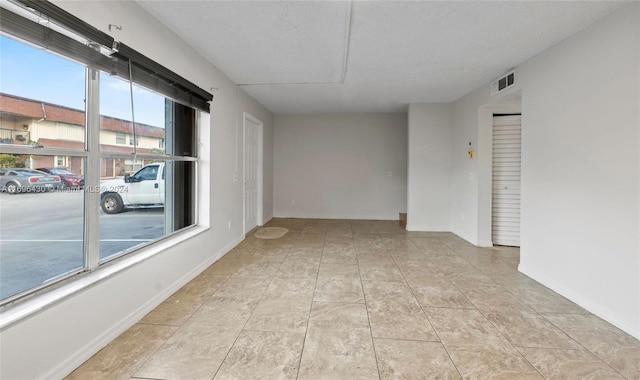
pixel 36 74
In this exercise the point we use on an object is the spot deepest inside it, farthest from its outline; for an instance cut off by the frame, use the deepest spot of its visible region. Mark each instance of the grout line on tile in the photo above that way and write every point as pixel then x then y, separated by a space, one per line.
pixel 315 285
pixel 450 251
pixel 241 330
pixel 373 343
pixel 562 349
pixel 442 344
pixel 527 360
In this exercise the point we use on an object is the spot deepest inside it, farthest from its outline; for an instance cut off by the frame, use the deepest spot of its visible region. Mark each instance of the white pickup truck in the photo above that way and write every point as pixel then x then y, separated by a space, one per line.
pixel 145 188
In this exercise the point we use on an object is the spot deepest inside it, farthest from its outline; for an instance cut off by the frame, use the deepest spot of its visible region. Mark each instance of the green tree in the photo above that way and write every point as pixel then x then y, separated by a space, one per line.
pixel 10 161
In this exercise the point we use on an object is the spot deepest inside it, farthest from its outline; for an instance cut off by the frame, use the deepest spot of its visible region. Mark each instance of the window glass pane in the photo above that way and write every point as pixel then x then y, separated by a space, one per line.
pixel 41 98
pixel 181 133
pixel 121 138
pixel 153 202
pixel 41 221
pixel 116 129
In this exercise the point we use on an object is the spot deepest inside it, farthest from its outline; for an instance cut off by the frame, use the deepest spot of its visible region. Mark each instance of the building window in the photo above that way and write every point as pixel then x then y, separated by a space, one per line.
pixel 60 161
pixel 131 166
pixel 158 191
pixel 121 138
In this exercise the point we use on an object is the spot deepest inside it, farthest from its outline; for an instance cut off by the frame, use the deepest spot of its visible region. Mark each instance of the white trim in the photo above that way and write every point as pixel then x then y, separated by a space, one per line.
pixel 147 156
pixel 485 244
pixel 595 308
pixel 23 309
pixel 505 229
pixel 93 168
pixel 427 228
pixel 203 168
pixel 484 155
pixel 32 150
pixel 69 240
pixel 353 217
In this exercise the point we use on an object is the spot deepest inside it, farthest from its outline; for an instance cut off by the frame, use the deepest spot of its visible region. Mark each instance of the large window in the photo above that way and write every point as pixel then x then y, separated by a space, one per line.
pixel 94 164
pixel 150 187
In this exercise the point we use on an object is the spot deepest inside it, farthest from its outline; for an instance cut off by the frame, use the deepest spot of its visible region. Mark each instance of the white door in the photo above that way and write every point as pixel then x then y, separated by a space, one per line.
pixel 505 221
pixel 251 162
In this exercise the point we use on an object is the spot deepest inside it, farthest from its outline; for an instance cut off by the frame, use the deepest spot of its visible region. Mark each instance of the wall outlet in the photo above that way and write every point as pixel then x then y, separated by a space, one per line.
pixel 390 174
pixel 461 216
pixel 235 177
pixel 229 225
pixel 293 202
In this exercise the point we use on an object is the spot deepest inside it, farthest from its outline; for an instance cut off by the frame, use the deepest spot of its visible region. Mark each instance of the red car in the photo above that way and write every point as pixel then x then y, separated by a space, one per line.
pixel 69 179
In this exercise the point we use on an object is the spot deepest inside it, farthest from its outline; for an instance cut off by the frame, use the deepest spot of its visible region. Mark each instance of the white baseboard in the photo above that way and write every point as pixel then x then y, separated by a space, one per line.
pixel 584 302
pixel 485 244
pixel 90 349
pixel 393 217
pixel 428 228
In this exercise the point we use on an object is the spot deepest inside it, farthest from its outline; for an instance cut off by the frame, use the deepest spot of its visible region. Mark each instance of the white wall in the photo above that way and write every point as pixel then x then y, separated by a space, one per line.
pixel 580 168
pixel 337 166
pixel 54 340
pixel 429 167
pixel 581 165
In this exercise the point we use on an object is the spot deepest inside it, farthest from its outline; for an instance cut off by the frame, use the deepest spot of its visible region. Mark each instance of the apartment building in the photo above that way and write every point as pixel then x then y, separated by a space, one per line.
pixel 29 121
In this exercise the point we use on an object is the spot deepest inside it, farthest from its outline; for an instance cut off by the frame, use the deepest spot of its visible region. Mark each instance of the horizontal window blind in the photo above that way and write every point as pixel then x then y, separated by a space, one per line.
pixel 52 40
pixel 144 70
pixel 68 21
pixel 156 77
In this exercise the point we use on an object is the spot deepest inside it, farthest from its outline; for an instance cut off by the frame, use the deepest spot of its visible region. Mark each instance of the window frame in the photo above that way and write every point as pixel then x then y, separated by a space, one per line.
pixel 121 138
pixel 92 156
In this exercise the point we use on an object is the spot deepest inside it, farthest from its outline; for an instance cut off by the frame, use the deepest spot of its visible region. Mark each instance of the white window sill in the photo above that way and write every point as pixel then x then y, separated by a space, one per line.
pixel 20 310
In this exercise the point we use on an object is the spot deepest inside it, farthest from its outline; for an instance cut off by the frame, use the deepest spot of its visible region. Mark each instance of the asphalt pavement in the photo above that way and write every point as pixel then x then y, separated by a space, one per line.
pixel 41 236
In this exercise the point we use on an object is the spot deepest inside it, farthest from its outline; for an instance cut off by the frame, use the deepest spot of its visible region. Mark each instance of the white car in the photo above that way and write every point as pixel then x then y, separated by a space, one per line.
pixel 145 188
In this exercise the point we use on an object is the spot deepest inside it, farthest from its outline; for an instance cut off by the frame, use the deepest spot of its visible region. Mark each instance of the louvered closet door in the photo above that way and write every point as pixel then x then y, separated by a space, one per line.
pixel 506 180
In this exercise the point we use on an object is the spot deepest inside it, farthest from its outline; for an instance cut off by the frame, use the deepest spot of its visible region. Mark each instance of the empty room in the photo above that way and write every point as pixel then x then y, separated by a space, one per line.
pixel 319 189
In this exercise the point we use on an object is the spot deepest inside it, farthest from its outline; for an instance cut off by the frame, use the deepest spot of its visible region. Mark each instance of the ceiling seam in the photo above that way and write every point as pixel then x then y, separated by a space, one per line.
pixel 282 84
pixel 345 61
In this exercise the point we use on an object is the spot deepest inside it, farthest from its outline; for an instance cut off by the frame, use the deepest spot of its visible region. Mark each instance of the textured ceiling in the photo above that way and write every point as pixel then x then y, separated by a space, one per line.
pixel 369 56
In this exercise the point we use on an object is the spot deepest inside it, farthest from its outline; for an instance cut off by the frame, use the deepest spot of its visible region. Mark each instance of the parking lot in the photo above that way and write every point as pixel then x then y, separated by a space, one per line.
pixel 41 236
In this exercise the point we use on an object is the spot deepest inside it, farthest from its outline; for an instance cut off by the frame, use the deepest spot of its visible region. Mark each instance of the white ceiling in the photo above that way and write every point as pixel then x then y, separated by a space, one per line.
pixel 369 56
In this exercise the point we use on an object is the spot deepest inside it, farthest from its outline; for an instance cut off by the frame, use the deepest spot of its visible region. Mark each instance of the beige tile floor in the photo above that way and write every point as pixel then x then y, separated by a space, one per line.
pixel 340 299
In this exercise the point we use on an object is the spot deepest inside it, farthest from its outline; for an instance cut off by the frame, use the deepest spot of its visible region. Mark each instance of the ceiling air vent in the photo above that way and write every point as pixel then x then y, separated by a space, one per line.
pixel 503 83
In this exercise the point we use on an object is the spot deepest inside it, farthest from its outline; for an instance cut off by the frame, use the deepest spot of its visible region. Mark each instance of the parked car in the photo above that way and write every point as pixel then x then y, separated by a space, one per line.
pixel 21 180
pixel 68 178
